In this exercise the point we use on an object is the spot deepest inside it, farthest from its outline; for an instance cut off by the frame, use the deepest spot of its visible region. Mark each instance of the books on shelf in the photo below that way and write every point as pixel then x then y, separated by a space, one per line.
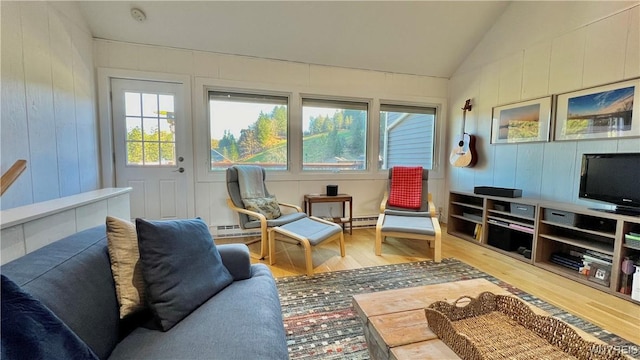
pixel 521 228
pixel 632 240
pixel 477 233
pixel 566 260
pixel 498 222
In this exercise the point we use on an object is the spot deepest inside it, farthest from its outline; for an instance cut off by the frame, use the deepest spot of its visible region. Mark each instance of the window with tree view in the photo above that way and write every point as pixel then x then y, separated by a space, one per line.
pixel 151 134
pixel 407 136
pixel 334 135
pixel 248 129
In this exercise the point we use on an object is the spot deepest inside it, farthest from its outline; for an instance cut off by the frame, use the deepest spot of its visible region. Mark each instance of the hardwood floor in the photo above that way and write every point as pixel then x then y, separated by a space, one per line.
pixel 613 314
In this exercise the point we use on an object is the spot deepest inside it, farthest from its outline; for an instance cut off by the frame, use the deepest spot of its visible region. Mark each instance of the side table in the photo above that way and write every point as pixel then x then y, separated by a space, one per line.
pixel 311 199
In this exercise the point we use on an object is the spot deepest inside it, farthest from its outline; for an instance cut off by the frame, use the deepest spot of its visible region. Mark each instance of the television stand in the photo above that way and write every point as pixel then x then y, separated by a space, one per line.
pixel 621 210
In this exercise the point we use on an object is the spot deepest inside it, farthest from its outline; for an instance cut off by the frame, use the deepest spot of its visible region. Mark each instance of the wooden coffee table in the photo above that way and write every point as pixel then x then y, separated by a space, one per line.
pixel 395 324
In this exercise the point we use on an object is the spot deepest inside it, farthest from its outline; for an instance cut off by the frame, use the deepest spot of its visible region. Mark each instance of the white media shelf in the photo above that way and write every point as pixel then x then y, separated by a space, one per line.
pixel 546 228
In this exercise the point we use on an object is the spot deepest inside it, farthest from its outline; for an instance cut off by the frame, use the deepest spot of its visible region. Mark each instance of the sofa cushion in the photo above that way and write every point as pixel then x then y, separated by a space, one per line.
pixel 122 241
pixel 181 267
pixel 31 331
pixel 72 277
pixel 243 321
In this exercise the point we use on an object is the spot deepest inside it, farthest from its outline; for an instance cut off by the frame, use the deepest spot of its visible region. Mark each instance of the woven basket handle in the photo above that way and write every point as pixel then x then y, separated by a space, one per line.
pixel 457 302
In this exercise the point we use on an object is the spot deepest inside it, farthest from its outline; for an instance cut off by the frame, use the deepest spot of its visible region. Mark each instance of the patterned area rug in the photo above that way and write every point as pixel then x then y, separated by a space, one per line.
pixel 321 324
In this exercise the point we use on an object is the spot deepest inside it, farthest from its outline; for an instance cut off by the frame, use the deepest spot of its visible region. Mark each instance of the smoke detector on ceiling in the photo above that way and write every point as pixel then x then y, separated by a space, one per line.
pixel 138 15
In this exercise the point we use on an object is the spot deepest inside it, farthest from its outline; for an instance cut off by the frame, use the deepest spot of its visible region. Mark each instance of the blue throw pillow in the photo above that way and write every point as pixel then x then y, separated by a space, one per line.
pixel 31 331
pixel 181 267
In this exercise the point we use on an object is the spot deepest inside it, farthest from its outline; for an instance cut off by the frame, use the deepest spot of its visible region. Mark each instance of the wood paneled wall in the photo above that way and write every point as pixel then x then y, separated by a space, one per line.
pixel 581 44
pixel 48 101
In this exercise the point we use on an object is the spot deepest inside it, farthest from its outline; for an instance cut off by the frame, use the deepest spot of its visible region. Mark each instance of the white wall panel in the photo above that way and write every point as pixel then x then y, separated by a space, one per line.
pixel 567 62
pixel 487 99
pixel 205 64
pixel 87 216
pixel 528 164
pixel 64 109
pixel 86 117
pixel 632 56
pixel 332 78
pixel 30 227
pixel 118 206
pixel 606 44
pixel 178 61
pixel 558 171
pixel 47 100
pixel 101 54
pixel 505 165
pixel 13 245
pixel 151 58
pixel 629 145
pixel 14 126
pixel 601 46
pixel 535 72
pixel 120 55
pixel 511 78
pixel 40 232
pixel 39 92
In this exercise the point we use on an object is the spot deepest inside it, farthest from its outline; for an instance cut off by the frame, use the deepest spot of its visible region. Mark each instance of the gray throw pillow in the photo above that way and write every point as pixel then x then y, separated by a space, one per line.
pixel 267 206
pixel 181 267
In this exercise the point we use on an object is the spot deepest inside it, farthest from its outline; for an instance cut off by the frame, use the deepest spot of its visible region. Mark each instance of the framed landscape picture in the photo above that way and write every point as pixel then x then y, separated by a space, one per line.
pixel 608 111
pixel 526 121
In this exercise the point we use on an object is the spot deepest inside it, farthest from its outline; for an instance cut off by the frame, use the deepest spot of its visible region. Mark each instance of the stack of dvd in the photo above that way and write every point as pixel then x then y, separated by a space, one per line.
pixel 568 261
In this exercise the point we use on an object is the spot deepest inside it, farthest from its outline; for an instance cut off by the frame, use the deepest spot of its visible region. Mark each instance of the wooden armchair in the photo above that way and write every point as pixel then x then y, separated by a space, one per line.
pixel 420 224
pixel 249 219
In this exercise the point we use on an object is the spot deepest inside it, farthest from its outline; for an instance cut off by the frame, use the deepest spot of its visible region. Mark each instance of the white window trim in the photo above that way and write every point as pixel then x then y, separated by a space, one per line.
pixel 202 86
pixel 440 104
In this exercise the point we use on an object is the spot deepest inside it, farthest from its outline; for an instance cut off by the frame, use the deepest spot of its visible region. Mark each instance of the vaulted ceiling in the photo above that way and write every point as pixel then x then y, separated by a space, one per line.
pixel 429 38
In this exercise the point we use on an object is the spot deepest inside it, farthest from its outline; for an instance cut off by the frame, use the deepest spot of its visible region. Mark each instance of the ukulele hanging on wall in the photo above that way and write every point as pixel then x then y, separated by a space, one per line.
pixel 464 154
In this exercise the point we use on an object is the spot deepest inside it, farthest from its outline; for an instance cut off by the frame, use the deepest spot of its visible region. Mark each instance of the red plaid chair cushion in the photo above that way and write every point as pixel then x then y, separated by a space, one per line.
pixel 406 187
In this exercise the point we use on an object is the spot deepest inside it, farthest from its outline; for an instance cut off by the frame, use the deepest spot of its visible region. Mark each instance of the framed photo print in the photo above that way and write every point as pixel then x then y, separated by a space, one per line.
pixel 526 121
pixel 608 111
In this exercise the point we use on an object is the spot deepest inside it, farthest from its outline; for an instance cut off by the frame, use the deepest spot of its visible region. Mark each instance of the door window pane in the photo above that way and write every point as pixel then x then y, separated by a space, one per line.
pixel 407 136
pixel 150 124
pixel 248 129
pixel 334 135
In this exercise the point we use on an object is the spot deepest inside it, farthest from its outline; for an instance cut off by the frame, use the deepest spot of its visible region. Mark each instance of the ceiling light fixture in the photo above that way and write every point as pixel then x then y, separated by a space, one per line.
pixel 138 15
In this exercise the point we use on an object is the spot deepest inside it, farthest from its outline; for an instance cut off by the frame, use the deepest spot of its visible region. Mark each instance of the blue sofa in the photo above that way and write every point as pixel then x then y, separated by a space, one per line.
pixel 73 278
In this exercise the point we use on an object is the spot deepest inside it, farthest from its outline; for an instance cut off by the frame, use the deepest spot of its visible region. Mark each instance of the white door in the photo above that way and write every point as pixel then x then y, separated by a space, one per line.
pixel 150 147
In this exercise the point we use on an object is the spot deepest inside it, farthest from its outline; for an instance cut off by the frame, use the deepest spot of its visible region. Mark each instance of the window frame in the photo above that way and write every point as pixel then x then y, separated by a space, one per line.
pixel 367 103
pixel 428 110
pixel 248 95
pixel 440 106
pixel 295 93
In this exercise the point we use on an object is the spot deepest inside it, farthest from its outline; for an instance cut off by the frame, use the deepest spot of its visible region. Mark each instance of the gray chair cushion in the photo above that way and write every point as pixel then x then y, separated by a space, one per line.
pixel 315 231
pixel 181 267
pixel 406 213
pixel 408 224
pixel 224 327
pixel 283 219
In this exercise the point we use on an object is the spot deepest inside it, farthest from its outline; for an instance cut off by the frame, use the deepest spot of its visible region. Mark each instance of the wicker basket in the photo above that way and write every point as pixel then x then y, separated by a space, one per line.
pixel 503 327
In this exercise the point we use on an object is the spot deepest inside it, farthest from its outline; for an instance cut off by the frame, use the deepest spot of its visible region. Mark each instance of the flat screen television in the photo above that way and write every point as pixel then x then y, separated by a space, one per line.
pixel 612 178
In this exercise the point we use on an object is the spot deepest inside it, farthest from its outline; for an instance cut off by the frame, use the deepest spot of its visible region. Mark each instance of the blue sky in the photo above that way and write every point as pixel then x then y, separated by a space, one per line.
pixel 592 103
